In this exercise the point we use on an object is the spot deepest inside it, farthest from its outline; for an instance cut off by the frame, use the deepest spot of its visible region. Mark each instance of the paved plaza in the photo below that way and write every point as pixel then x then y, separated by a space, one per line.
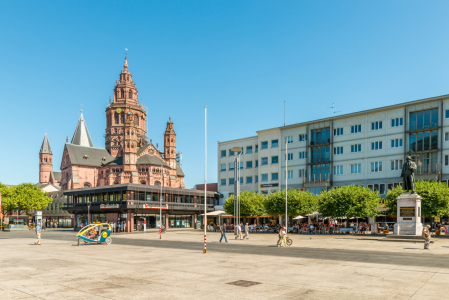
pixel 140 266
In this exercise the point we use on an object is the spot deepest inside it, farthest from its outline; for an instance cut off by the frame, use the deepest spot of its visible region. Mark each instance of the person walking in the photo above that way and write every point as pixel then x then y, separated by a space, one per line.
pixel 426 236
pixel 246 231
pixel 223 232
pixel 38 233
pixel 281 238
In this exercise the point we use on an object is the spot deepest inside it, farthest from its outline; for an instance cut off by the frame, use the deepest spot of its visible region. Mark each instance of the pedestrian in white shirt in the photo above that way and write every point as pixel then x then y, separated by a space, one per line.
pixel 247 231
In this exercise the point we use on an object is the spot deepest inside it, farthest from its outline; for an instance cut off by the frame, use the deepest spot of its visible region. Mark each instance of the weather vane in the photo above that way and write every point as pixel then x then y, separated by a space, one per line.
pixel 126 52
pixel 81 108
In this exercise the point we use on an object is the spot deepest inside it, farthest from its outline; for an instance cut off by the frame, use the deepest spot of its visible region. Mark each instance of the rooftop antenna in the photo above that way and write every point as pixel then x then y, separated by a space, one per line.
pixel 333 110
pixel 284 113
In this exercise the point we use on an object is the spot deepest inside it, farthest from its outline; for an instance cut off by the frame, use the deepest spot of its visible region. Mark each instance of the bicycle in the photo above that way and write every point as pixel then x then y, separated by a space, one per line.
pixel 289 241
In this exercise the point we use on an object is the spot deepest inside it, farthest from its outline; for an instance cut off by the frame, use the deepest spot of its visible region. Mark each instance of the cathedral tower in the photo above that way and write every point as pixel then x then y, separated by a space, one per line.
pixel 170 144
pixel 45 161
pixel 124 113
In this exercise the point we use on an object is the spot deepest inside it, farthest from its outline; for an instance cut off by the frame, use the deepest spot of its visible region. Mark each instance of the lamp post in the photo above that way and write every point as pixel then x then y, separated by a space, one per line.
pixel 160 210
pixel 286 179
pixel 205 178
pixel 89 221
pixel 237 151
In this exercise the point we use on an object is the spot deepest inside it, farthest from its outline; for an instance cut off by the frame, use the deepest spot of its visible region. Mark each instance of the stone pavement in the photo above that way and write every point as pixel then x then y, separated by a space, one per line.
pixel 140 266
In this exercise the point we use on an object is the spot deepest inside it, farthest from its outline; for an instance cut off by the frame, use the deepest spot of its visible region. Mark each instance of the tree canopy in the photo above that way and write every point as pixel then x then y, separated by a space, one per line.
pixel 349 201
pixel 24 197
pixel 251 204
pixel 435 198
pixel 298 203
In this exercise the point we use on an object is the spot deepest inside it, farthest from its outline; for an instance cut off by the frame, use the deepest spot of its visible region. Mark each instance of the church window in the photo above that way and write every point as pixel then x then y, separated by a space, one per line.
pixel 130 94
pixel 127 78
pixel 117 118
pixel 123 93
pixel 136 120
pixel 172 140
pixel 122 118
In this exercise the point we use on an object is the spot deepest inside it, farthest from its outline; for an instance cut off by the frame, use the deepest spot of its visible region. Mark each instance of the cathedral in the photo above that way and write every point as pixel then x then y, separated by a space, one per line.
pixel 128 157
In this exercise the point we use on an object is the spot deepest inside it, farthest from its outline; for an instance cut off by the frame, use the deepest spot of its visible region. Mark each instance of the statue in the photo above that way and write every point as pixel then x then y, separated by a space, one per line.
pixel 408 175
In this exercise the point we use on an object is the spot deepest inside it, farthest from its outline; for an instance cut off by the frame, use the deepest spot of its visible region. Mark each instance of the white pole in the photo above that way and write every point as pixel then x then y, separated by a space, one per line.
pixel 160 210
pixel 205 177
pixel 286 179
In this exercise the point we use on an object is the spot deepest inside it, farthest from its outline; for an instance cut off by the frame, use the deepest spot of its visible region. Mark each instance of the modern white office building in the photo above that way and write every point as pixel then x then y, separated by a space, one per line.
pixel 362 148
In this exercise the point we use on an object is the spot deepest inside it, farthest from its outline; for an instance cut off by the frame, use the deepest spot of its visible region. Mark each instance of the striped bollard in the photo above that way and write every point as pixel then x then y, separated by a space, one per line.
pixel 205 250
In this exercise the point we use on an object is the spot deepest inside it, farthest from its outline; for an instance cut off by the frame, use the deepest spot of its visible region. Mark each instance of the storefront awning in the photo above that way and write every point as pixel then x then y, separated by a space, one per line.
pixel 215 213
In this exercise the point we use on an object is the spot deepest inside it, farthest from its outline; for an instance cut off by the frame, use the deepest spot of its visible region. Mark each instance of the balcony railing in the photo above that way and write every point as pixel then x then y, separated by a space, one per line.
pixel 322 178
pixel 137 204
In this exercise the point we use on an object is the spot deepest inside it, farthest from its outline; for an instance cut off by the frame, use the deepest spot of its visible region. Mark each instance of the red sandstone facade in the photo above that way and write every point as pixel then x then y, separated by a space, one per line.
pixel 127 156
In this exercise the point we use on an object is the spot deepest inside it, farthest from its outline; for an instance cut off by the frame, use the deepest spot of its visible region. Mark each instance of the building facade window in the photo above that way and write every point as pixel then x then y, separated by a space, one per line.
pixel 426 162
pixel 223 153
pixel 303 155
pixel 249 149
pixel 376 145
pixel 338 131
pixel 241 165
pixel 231 166
pixel 446 136
pixel 223 167
pixel 264 177
pixel 249 164
pixel 303 137
pixel 264 145
pixel 222 181
pixel 356 128
pixel 231 153
pixel 289 139
pixel 376 167
pixel 264 192
pixel 338 150
pixel 396 164
pixel 275 176
pixel 256 179
pixel 241 180
pixel 446 159
pixel 377 188
pixel 356 168
pixel 320 154
pixel 257 148
pixel 249 179
pixel 424 119
pixel 274 143
pixel 231 181
pixel 338 170
pixel 264 161
pixel 257 163
pixel 356 148
pixel 302 173
pixel 290 156
pixel 320 136
pixel 274 159
pixel 290 174
pixel 423 141
pixel 395 143
pixel 320 172
pixel 376 125
pixel 396 122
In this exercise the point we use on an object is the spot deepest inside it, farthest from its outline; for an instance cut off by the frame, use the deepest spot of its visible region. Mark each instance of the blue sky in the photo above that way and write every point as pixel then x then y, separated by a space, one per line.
pixel 242 59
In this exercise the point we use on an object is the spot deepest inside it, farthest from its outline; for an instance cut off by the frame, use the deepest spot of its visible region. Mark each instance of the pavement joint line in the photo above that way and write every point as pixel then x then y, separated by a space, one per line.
pixel 424 283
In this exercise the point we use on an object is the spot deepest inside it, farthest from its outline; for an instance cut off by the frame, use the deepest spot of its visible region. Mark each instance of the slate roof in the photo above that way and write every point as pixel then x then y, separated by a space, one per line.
pixel 94 156
pixel 56 176
pixel 81 136
pixel 179 171
pixel 151 160
pixel 45 148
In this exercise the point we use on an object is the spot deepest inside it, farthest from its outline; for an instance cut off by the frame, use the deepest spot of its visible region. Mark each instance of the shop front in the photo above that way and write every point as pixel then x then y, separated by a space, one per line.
pixel 137 205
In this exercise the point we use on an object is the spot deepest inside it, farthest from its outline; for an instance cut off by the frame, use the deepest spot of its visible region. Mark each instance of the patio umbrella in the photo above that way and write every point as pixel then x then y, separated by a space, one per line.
pixel 299 217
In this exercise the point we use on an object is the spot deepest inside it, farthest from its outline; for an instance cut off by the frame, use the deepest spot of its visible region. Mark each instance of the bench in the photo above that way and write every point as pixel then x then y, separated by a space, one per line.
pixel 348 230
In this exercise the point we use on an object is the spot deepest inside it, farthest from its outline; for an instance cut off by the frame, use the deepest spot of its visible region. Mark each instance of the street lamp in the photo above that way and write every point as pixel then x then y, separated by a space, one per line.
pixel 237 151
pixel 286 179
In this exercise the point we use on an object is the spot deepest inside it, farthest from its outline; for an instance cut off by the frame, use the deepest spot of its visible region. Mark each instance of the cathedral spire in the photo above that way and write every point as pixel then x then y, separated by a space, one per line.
pixel 126 64
pixel 45 148
pixel 81 136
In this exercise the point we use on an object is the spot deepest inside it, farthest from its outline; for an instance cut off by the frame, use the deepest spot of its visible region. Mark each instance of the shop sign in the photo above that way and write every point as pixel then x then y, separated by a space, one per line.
pixel 153 206
pixel 269 185
pixel 105 206
pixel 71 216
pixel 407 211
pixel 437 219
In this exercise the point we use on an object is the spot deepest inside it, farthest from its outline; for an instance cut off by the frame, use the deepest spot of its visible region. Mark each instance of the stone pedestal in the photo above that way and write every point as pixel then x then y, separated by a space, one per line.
pixel 408 215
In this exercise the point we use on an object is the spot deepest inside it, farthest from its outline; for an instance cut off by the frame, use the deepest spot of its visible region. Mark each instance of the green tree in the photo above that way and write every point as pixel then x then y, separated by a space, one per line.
pixel 251 204
pixel 6 198
pixel 435 198
pixel 28 196
pixel 349 201
pixel 298 203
